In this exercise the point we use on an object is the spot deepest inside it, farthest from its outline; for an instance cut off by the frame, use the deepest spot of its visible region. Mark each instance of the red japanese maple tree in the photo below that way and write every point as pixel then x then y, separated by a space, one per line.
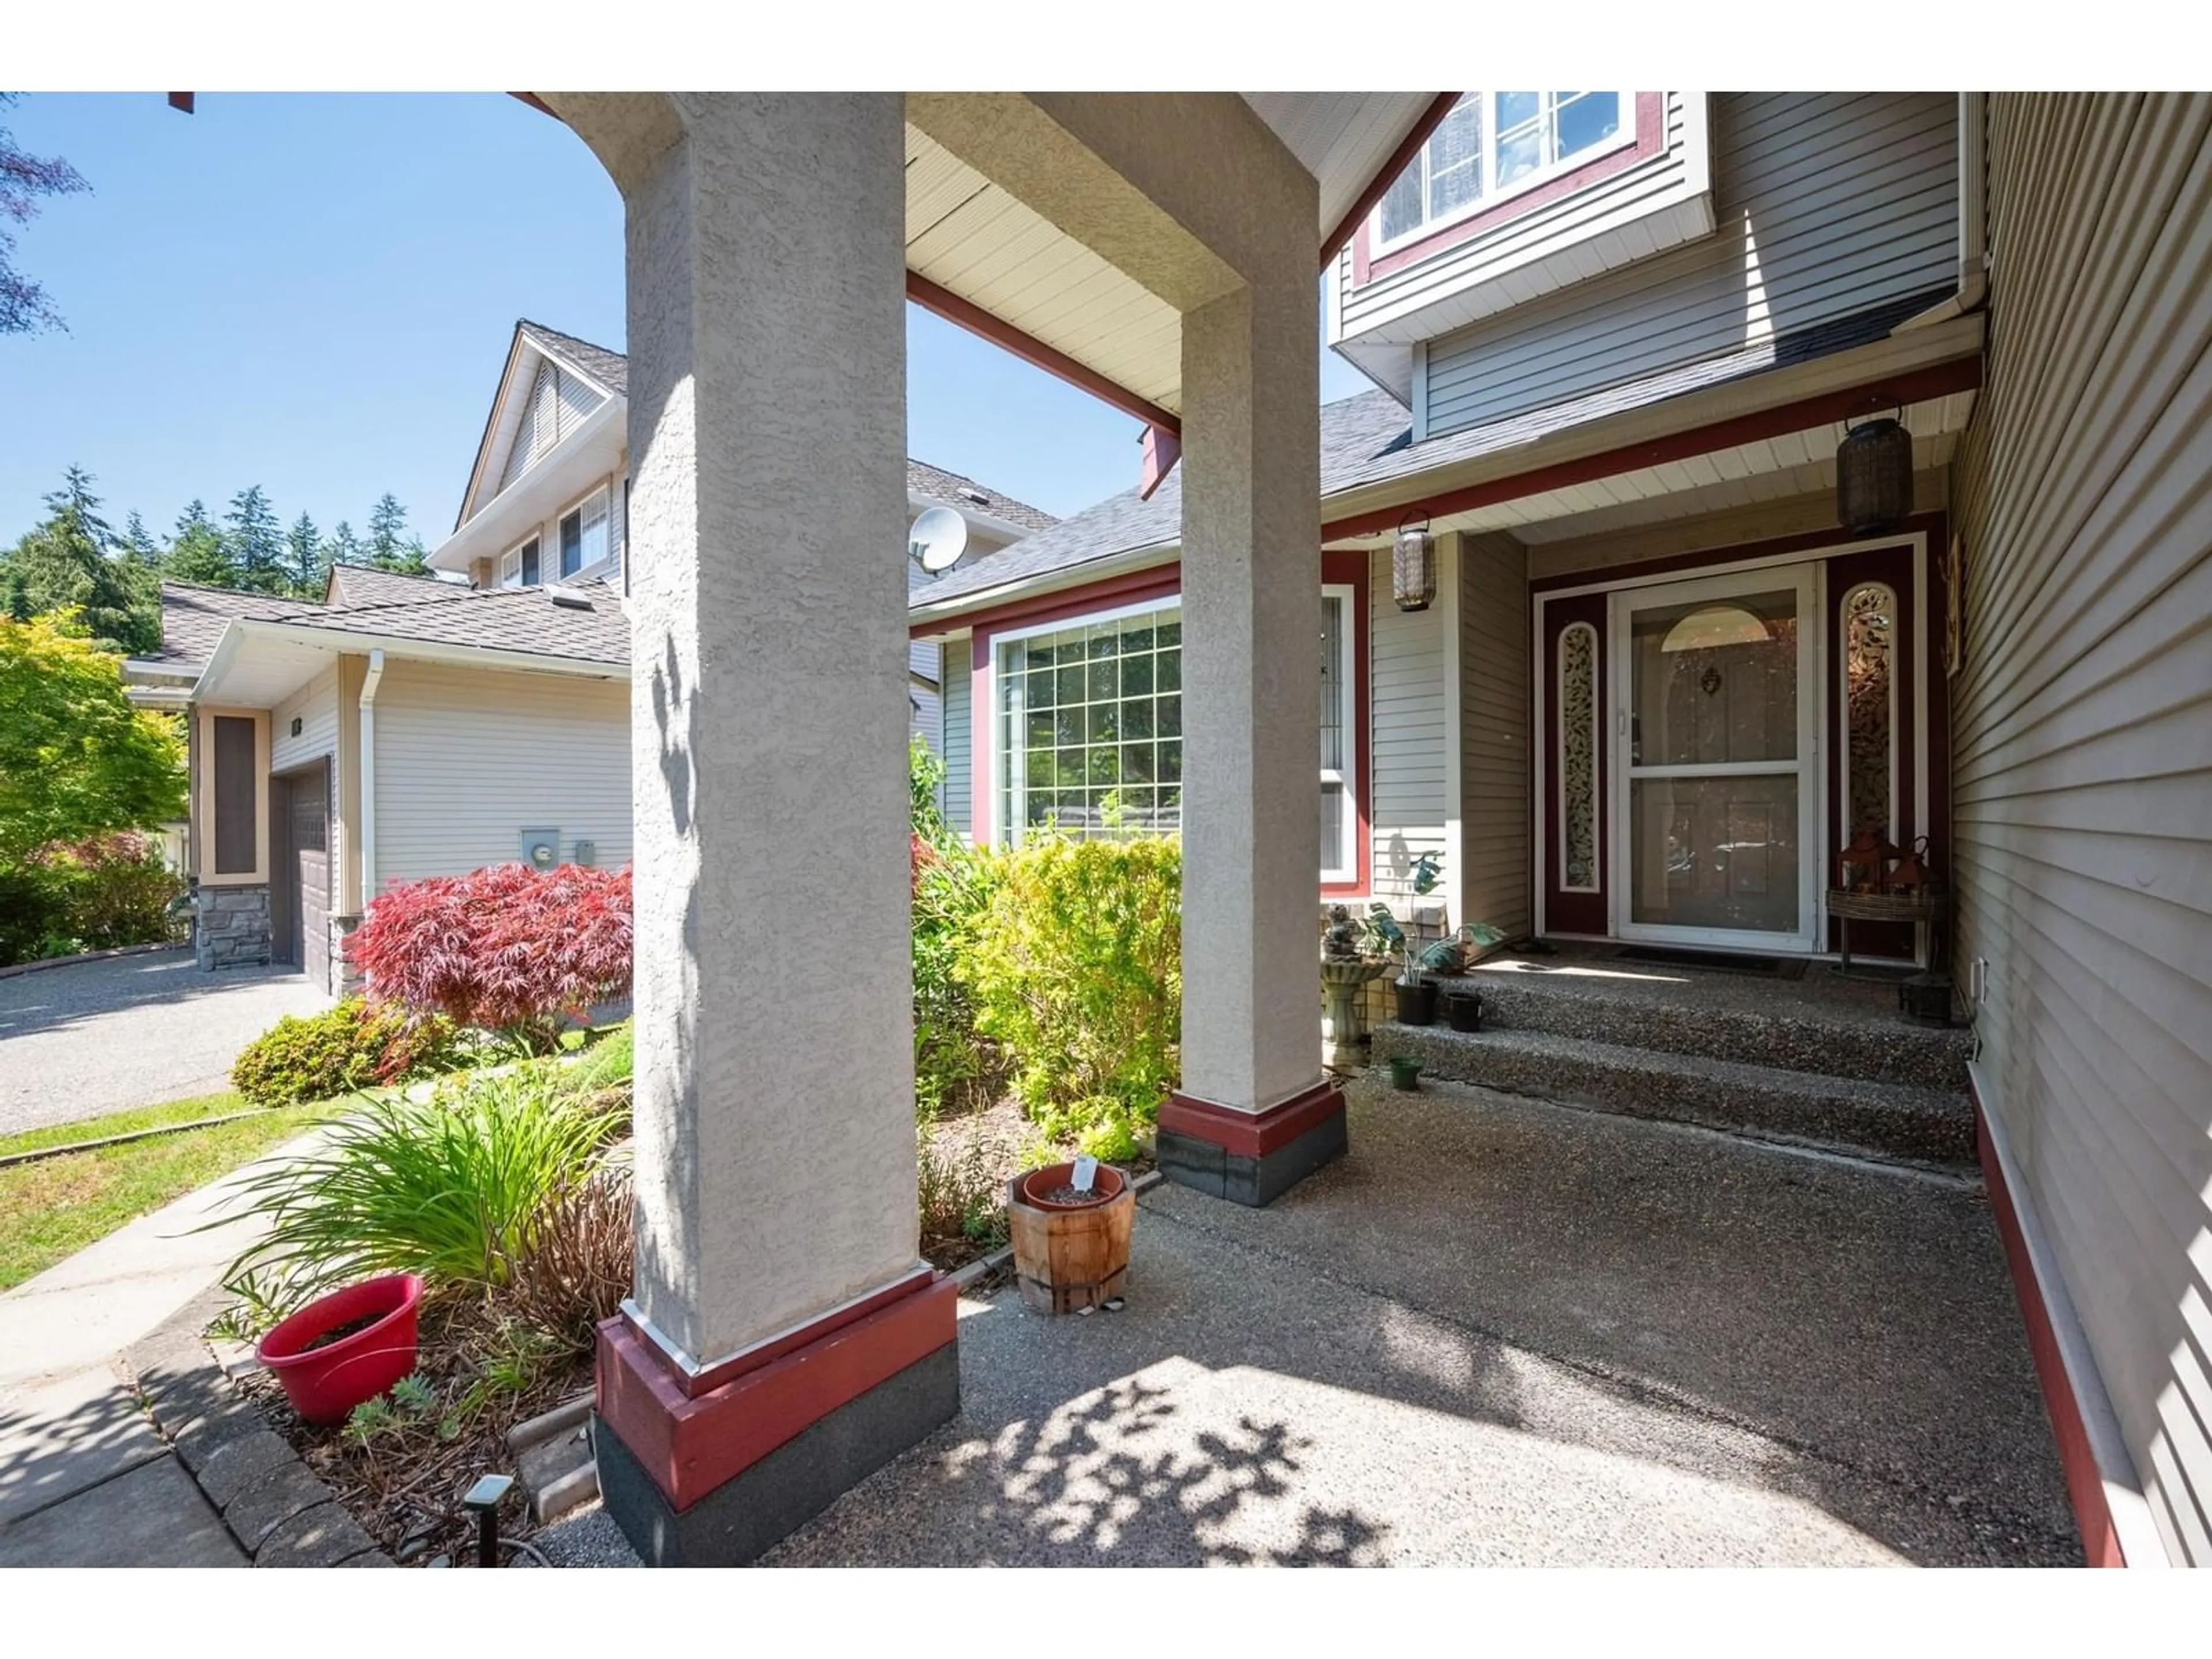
pixel 507 948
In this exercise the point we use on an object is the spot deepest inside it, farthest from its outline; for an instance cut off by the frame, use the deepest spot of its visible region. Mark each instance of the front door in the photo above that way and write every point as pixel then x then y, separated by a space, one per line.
pixel 1715 807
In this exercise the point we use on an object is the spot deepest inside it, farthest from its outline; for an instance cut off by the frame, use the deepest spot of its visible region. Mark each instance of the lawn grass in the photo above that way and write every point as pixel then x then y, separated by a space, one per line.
pixel 123 1123
pixel 55 1206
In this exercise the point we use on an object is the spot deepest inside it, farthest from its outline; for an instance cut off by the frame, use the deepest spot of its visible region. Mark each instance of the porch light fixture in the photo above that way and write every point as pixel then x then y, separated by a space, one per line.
pixel 1873 477
pixel 1413 566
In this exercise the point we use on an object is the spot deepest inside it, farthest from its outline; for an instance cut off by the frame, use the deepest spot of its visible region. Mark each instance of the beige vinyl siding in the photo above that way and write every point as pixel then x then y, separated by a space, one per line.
pixel 1409 799
pixel 1828 205
pixel 1494 877
pixel 315 706
pixel 959 748
pixel 466 759
pixel 2081 734
pixel 1636 212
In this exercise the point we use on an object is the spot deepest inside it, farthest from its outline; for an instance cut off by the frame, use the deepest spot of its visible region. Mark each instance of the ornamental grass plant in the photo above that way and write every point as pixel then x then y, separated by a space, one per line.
pixel 455 1187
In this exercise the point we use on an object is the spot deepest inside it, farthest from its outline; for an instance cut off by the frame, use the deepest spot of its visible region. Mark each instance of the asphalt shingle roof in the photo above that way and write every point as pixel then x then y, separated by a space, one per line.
pixel 1354 432
pixel 193 618
pixel 610 368
pixel 957 491
pixel 360 584
pixel 516 619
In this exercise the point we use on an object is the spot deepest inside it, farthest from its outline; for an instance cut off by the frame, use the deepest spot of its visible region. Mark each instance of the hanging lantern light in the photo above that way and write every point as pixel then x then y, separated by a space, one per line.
pixel 1413 567
pixel 1873 477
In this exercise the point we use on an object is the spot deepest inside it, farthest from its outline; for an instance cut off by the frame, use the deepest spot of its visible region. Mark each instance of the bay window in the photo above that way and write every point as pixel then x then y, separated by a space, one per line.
pixel 1494 145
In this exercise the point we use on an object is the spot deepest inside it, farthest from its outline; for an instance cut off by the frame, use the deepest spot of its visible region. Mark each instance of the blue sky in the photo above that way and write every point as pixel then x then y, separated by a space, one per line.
pixel 315 294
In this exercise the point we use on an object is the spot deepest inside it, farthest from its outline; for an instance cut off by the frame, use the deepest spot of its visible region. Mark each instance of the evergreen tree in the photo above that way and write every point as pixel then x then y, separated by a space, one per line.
pixel 343 546
pixel 256 546
pixel 390 546
pixel 198 553
pixel 306 565
pixel 138 542
pixel 66 562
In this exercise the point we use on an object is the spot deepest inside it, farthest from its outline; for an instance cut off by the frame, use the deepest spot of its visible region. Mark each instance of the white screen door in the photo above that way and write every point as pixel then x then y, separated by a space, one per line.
pixel 1716 812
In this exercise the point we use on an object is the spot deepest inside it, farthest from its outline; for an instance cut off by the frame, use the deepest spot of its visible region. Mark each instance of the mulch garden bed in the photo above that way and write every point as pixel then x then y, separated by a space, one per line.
pixel 402 1474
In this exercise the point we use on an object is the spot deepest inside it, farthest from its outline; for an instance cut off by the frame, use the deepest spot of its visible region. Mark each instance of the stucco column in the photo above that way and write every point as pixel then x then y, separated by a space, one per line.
pixel 783 1338
pixel 1253 1113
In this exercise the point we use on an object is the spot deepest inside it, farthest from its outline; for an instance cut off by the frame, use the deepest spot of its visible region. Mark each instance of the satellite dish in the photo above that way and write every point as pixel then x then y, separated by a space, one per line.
pixel 936 540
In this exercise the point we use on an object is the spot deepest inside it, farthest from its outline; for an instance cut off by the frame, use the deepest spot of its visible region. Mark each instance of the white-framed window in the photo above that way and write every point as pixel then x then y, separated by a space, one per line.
pixel 1494 145
pixel 1340 746
pixel 583 534
pixel 1089 724
pixel 519 566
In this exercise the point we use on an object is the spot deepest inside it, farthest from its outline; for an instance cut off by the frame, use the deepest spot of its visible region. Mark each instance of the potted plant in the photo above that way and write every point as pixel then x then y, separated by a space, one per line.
pixel 346 1347
pixel 1417 996
pixel 1070 1244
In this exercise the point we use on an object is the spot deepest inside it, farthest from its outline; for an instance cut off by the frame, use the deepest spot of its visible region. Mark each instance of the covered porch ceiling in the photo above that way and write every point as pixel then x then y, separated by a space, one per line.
pixel 999 260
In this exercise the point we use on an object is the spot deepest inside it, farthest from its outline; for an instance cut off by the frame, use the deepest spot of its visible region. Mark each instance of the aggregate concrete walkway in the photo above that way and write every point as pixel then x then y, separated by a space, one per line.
pixel 1500 1332
pixel 84 1481
pixel 105 1036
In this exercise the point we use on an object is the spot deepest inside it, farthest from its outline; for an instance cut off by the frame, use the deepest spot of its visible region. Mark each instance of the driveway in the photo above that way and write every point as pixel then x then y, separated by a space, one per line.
pixel 104 1036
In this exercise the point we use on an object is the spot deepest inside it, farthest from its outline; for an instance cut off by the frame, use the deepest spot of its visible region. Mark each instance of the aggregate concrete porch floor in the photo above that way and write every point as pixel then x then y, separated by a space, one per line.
pixel 1501 1332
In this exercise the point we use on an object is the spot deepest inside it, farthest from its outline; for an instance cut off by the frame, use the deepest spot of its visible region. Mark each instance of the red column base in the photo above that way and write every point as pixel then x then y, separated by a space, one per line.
pixel 1250 1158
pixel 691 1435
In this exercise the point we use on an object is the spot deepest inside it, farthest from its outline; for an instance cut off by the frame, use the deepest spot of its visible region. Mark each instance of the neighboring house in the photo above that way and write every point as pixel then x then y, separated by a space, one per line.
pixel 408 727
pixel 1618 336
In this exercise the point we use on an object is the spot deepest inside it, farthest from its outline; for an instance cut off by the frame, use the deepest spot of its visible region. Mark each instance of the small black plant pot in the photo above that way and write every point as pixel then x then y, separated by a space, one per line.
pixel 1417 1003
pixel 1463 1011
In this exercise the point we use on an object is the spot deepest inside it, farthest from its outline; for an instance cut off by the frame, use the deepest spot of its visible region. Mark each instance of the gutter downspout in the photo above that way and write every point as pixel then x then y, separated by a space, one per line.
pixel 369 777
pixel 1973 224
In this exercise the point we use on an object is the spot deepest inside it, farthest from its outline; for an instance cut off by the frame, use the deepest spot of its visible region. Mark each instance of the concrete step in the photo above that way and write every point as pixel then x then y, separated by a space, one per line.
pixel 1826 1027
pixel 1897 1122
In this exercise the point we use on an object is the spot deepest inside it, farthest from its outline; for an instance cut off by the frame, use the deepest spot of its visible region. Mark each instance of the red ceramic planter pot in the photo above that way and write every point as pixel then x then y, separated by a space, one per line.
pixel 325 1383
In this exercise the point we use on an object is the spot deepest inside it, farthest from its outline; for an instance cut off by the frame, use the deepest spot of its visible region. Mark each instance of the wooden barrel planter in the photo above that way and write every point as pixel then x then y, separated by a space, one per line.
pixel 1070 1255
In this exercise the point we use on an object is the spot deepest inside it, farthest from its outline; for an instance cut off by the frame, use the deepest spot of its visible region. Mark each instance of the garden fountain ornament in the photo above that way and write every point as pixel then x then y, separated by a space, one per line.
pixel 1345 968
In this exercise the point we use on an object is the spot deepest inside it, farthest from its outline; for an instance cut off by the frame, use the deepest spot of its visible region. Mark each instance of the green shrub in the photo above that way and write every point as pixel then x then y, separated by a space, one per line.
pixel 956 1067
pixel 455 1188
pixel 94 894
pixel 316 1056
pixel 1075 966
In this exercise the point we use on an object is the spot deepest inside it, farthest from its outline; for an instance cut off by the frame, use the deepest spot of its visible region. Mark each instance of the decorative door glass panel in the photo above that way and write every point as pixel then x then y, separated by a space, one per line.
pixel 1869 614
pixel 1578 758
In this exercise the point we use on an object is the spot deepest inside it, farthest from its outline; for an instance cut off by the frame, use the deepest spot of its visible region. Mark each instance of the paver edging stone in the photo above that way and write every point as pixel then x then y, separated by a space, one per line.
pixel 278 1511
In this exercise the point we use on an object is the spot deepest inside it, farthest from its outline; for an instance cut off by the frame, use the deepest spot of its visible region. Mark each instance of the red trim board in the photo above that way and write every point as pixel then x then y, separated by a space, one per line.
pixel 1247 1134
pixel 2085 1482
pixel 1386 175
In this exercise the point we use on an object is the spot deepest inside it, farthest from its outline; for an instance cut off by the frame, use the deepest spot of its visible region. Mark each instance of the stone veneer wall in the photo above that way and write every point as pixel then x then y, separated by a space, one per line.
pixel 346 979
pixel 231 929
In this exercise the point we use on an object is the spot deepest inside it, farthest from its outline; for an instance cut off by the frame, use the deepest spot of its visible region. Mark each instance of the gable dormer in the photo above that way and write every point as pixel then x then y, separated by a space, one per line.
pixel 545 496
pixel 559 400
